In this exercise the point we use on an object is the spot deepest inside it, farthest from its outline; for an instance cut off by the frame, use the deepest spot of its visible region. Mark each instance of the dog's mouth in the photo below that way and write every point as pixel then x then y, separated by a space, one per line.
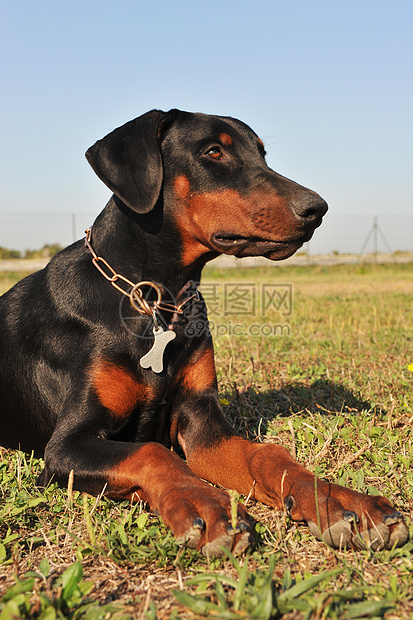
pixel 237 245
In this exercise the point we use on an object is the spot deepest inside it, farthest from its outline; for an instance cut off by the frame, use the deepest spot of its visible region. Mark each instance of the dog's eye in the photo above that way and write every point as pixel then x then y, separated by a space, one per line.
pixel 215 152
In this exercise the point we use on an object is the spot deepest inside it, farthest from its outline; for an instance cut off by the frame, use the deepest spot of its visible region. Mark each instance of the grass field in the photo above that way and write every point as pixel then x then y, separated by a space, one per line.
pixel 319 359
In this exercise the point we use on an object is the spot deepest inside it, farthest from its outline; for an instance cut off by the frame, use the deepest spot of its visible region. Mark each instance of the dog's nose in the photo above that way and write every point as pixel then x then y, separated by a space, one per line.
pixel 310 208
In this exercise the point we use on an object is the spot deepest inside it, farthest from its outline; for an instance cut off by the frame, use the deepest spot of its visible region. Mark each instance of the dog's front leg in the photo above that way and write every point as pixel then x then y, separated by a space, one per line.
pixel 198 514
pixel 267 472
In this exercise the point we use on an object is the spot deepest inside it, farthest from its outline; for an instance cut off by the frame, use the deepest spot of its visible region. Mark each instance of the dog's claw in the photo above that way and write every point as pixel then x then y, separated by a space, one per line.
pixel 198 524
pixel 395 517
pixel 242 526
pixel 350 517
pixel 193 534
pixel 399 534
pixel 236 540
pixel 289 502
pixel 243 541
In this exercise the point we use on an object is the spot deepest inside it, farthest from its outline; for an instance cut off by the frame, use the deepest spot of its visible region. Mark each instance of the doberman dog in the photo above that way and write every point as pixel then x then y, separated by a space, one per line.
pixel 99 372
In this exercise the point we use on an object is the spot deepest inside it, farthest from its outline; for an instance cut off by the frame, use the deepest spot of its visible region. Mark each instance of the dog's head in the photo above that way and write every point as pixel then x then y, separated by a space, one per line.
pixel 217 190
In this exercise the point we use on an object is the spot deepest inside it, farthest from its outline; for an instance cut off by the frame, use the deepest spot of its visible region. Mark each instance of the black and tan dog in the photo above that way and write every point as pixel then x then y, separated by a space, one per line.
pixel 106 393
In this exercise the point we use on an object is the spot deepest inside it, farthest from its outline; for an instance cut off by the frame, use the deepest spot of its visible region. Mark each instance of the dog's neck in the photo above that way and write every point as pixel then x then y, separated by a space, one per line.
pixel 143 247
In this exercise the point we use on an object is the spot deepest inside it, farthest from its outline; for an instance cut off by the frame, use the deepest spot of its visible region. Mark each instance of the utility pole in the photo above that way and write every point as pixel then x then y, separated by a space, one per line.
pixel 374 232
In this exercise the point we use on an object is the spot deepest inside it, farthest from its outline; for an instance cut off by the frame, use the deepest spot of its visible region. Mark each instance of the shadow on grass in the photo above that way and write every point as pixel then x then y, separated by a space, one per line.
pixel 321 396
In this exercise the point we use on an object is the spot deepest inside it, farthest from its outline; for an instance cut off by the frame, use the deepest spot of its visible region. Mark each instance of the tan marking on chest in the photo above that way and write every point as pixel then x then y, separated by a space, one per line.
pixel 200 375
pixel 117 389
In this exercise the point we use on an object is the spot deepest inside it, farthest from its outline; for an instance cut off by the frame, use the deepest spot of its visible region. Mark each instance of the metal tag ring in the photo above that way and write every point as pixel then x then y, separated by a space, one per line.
pixel 138 302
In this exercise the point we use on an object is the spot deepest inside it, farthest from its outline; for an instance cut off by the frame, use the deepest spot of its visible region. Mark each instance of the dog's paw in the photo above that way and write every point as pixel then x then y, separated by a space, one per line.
pixel 235 540
pixel 345 519
pixel 390 532
pixel 200 518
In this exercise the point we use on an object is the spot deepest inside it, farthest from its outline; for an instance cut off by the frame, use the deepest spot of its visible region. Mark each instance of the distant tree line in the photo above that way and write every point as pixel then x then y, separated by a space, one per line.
pixel 47 251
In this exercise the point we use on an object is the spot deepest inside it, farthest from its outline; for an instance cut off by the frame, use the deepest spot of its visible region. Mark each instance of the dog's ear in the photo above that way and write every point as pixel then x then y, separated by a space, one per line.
pixel 129 162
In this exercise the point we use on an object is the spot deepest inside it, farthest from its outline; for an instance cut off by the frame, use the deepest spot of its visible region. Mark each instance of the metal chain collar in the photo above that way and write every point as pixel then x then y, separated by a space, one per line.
pixel 134 292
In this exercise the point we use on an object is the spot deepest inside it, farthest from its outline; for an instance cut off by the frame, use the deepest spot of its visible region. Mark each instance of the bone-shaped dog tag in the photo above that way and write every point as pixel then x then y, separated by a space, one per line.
pixel 154 358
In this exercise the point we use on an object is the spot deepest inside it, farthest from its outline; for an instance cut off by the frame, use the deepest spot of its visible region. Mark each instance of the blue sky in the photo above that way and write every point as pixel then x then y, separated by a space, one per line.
pixel 327 84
